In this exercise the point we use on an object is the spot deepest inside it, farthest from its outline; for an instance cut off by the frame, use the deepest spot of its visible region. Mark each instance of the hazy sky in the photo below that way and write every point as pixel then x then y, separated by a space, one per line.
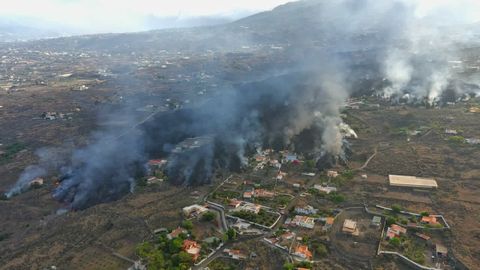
pixel 126 15
pixel 92 16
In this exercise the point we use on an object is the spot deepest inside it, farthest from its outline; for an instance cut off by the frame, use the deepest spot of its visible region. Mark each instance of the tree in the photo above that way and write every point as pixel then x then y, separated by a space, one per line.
pixel 175 245
pixel 156 260
pixel 187 224
pixel 231 234
pixel 321 250
pixel 209 216
pixel 424 214
pixel 336 198
pixel 288 266
pixel 305 240
pixel 184 257
pixel 391 220
pixel 348 174
pixel 396 208
pixel 144 249
pixel 395 241
pixel 309 164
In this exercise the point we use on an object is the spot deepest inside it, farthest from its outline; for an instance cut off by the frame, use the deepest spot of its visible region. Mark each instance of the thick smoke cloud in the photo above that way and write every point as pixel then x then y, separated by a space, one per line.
pixel 365 44
pixel 423 66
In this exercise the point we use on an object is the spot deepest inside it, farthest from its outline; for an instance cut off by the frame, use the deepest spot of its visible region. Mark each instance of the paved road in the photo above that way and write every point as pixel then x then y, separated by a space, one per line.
pixel 219 252
pixel 220 210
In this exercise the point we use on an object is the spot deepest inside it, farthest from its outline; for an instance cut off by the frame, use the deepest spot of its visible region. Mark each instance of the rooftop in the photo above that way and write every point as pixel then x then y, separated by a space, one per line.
pixel 411 181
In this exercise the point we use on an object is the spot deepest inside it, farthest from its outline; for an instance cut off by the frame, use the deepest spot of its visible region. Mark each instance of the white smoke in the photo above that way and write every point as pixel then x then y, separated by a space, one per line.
pixel 31 172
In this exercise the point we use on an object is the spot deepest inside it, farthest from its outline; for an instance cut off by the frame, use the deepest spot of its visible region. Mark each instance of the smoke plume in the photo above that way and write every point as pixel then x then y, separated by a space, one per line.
pixel 351 46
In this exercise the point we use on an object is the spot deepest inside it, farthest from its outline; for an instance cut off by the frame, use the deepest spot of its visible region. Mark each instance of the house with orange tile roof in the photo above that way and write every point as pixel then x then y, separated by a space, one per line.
pixel 431 220
pixel 395 231
pixel 192 248
pixel 303 252
pixel 248 194
pixel 262 193
pixel 328 223
pixel 234 203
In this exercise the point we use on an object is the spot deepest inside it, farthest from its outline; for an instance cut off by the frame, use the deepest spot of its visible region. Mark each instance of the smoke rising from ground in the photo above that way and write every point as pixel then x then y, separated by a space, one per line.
pixel 299 110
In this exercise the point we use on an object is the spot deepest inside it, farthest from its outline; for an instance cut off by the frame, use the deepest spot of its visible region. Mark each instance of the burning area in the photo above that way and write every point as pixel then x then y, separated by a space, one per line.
pixel 402 56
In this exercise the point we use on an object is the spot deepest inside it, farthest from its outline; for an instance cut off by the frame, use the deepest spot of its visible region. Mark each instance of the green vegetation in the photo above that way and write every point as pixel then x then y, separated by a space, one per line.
pixel 225 194
pixel 187 224
pixel 408 247
pixel 10 151
pixel 160 175
pixel 343 178
pixel 336 198
pixel 391 220
pixel 288 266
pixel 348 174
pixel 141 181
pixel 424 214
pixel 456 139
pixel 165 254
pixel 209 216
pixel 436 226
pixel 401 131
pixel 263 217
pixel 230 235
pixel 309 164
pixel 219 264
pixel 395 242
pixel 321 250
pixel 396 208
pixel 414 252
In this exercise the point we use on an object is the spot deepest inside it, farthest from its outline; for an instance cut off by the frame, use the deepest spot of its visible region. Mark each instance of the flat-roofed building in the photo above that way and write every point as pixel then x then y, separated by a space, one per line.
pixel 412 182
pixel 350 227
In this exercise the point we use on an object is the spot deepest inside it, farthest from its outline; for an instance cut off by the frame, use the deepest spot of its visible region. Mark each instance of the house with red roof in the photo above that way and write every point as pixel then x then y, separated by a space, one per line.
pixel 303 252
pixel 192 248
pixel 395 231
pixel 431 220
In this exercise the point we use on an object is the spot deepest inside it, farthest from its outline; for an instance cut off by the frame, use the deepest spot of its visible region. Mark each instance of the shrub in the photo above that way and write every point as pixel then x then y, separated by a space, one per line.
pixel 336 198
pixel 288 266
pixel 396 208
pixel 231 234
pixel 187 224
pixel 209 216
pixel 321 250
pixel 391 220
pixel 456 139
pixel 395 241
